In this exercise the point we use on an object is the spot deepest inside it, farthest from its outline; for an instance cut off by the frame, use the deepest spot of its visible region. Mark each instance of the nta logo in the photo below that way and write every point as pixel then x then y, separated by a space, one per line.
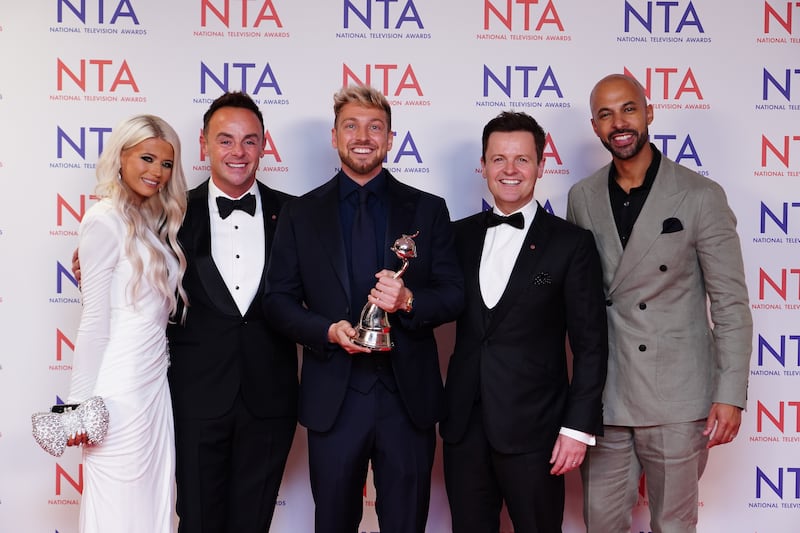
pixel 390 18
pixel 671 21
pixel 266 12
pixel 547 15
pixel 117 8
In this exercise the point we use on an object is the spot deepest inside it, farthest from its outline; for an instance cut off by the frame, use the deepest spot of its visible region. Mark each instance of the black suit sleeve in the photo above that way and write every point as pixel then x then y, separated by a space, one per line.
pixel 588 338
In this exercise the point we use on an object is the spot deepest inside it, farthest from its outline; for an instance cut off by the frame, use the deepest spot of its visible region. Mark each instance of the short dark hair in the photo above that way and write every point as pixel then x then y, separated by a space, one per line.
pixel 232 99
pixel 509 121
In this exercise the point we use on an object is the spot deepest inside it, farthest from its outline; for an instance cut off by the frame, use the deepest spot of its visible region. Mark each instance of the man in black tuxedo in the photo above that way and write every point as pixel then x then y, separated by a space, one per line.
pixel 233 378
pixel 515 421
pixel 326 264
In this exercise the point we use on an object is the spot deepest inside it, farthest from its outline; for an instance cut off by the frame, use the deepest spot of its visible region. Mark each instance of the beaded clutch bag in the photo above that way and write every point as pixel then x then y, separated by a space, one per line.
pixel 51 430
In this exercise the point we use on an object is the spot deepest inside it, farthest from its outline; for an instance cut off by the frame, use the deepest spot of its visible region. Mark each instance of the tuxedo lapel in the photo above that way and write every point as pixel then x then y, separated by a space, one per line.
pixel 524 270
pixel 270 207
pixel 207 271
pixel 470 244
pixel 661 204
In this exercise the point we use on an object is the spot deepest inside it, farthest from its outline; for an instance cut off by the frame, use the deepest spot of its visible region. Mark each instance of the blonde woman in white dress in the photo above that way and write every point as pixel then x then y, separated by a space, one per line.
pixel 131 268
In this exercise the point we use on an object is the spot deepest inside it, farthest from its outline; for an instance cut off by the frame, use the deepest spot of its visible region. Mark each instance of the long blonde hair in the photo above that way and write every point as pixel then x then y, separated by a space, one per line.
pixel 161 213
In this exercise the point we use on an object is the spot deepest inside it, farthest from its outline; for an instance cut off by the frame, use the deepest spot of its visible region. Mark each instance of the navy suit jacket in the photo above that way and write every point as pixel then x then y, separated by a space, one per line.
pixel 218 352
pixel 512 362
pixel 308 289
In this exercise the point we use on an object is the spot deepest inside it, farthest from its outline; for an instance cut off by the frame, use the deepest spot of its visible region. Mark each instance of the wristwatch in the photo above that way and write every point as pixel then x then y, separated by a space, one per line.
pixel 409 302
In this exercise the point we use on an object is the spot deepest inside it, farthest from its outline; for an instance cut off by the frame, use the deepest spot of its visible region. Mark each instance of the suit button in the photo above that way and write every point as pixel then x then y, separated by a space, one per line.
pixel 642 306
pixel 642 348
pixel 663 268
pixel 608 302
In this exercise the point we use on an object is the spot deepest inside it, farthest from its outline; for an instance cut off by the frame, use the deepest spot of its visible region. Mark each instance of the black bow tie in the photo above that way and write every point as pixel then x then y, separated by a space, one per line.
pixel 516 220
pixel 246 203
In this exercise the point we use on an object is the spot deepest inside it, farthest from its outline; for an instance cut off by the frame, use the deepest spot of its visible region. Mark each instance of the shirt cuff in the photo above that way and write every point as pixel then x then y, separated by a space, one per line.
pixel 585 438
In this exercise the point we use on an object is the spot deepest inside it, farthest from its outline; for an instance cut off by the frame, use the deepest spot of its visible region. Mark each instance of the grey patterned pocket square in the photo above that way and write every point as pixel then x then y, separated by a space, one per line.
pixel 671 225
pixel 542 278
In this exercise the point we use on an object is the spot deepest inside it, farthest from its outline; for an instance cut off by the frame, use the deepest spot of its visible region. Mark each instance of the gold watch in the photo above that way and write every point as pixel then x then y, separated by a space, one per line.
pixel 409 302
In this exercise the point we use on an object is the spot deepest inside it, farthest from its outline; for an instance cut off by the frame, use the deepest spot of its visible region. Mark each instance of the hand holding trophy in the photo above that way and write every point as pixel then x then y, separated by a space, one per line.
pixel 373 330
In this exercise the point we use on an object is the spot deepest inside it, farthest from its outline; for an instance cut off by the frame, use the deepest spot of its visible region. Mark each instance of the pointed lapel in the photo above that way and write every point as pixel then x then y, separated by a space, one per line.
pixel 470 237
pixel 207 271
pixel 661 204
pixel 525 266
pixel 270 207
pixel 602 223
pixel 325 213
pixel 472 250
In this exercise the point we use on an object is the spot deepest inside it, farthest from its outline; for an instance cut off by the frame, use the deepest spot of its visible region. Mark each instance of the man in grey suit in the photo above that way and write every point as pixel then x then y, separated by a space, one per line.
pixel 676 385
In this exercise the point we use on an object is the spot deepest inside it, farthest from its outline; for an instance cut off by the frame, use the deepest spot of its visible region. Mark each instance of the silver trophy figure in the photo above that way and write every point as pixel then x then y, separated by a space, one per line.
pixel 373 330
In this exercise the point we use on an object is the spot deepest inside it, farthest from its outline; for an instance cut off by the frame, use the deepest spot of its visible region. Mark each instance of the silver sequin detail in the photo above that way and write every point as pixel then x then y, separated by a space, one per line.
pixel 51 430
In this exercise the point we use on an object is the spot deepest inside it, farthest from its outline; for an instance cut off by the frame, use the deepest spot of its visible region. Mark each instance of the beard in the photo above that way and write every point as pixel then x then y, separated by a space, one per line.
pixel 361 166
pixel 630 150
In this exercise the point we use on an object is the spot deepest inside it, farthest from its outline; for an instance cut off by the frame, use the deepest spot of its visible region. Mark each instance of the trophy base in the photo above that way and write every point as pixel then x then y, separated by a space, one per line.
pixel 377 340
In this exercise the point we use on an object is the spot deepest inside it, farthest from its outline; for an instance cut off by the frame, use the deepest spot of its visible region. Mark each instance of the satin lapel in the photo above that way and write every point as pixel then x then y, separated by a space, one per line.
pixel 470 252
pixel 403 206
pixel 328 228
pixel 207 271
pixel 533 248
pixel 270 207
pixel 661 203
pixel 269 210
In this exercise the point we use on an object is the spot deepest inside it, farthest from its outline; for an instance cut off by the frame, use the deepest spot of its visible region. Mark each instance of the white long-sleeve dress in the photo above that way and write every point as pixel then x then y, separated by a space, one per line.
pixel 121 354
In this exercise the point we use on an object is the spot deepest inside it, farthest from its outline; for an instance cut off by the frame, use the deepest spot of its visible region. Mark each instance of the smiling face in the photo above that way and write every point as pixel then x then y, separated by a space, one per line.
pixel 511 169
pixel 620 116
pixel 362 137
pixel 234 144
pixel 147 167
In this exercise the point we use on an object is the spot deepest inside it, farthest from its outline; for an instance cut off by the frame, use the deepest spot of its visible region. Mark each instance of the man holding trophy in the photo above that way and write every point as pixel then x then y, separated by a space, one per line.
pixel 362 270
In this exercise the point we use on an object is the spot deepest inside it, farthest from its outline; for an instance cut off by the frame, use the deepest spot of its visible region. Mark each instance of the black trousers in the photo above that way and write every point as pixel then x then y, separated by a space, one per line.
pixel 479 479
pixel 229 470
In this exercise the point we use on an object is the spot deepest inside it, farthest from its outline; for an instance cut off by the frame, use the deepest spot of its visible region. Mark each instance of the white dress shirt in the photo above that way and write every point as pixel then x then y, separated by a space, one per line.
pixel 501 247
pixel 238 247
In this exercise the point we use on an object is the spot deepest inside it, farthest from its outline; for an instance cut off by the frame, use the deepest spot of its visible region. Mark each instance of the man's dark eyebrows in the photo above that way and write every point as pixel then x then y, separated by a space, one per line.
pixel 230 135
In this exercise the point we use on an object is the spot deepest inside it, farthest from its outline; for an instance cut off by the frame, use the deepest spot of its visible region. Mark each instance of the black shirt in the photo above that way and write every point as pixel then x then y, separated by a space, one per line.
pixel 627 206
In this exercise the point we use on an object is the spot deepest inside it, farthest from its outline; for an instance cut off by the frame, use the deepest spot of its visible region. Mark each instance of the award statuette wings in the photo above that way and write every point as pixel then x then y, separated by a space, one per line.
pixel 373 330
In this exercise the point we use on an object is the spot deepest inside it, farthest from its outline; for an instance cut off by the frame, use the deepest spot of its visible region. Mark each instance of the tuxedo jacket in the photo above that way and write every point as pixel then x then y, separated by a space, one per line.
pixel 219 353
pixel 309 289
pixel 666 363
pixel 511 361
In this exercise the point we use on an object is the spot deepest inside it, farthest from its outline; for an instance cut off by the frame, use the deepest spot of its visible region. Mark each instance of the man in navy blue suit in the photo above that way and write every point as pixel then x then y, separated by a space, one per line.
pixel 361 405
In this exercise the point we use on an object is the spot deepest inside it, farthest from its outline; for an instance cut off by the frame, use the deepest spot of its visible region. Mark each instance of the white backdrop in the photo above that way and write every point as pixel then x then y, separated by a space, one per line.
pixel 724 78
